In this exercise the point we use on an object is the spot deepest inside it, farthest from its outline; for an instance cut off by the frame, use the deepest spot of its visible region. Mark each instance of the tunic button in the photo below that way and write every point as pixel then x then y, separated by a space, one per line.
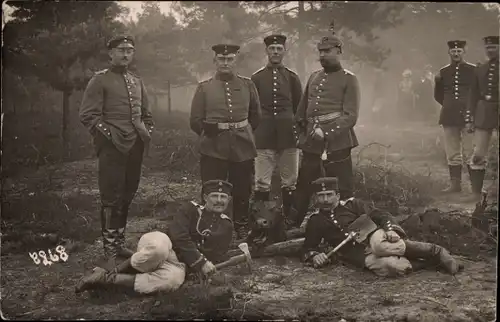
pixel 275 113
pixel 100 125
pixel 275 102
pixel 335 221
pixel 274 89
pixel 230 111
pixel 230 105
pixel 317 97
pixel 275 84
pixel 346 234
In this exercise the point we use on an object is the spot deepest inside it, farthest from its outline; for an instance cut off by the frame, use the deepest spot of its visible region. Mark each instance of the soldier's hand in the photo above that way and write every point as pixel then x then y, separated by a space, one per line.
pixel 392 236
pixel 319 260
pixel 469 127
pixel 208 268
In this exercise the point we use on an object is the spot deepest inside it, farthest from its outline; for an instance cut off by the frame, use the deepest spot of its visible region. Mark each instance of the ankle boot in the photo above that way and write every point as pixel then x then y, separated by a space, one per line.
pixel 455 179
pixel 433 253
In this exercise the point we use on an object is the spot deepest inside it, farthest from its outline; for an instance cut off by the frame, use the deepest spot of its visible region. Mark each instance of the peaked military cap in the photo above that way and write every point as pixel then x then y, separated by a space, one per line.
pixel 225 49
pixel 456 44
pixel 217 186
pixel 115 41
pixel 325 184
pixel 491 40
pixel 275 39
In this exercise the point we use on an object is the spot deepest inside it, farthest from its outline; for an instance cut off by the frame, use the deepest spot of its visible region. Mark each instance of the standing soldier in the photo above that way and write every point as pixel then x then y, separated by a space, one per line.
pixel 451 91
pixel 115 109
pixel 326 117
pixel 224 112
pixel 482 111
pixel 279 91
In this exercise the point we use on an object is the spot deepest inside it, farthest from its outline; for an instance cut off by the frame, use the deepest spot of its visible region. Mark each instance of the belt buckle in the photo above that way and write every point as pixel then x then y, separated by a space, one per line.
pixel 231 125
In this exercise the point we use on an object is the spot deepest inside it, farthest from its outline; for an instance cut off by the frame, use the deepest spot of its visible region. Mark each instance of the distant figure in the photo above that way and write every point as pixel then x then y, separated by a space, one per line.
pixel 452 88
pixel 379 107
pixel 406 97
pixel 425 104
pixel 483 111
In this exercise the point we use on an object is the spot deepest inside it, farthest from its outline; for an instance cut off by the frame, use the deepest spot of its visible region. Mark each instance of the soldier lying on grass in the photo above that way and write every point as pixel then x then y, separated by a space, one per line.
pixel 196 238
pixel 385 250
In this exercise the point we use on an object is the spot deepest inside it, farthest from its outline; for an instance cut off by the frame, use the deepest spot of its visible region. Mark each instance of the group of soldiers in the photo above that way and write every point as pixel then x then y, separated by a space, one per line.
pixel 247 127
pixel 468 95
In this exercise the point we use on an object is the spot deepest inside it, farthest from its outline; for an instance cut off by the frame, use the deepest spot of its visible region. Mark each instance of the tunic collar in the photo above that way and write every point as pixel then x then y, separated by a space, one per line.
pixel 118 69
pixel 224 76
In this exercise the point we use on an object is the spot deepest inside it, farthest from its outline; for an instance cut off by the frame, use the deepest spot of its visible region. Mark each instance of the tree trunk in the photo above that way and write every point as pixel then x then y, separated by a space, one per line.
pixel 65 122
pixel 169 94
pixel 301 53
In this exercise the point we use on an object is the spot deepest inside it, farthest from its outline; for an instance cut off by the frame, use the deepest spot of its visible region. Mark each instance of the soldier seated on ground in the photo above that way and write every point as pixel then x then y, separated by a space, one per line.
pixel 385 251
pixel 196 238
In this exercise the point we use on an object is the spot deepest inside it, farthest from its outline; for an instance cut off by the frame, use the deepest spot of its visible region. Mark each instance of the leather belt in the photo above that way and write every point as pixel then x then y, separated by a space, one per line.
pixel 324 118
pixel 236 125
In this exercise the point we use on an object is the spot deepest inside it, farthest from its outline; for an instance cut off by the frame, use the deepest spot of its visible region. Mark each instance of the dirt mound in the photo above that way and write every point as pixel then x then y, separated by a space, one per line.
pixel 452 230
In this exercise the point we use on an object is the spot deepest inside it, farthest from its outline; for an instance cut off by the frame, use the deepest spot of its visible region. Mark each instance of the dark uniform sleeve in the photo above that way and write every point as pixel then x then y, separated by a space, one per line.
pixel 382 219
pixel 197 110
pixel 254 110
pixel 184 246
pixel 314 234
pixel 350 109
pixel 300 115
pixel 147 116
pixel 91 108
pixel 296 92
pixel 439 88
pixel 473 98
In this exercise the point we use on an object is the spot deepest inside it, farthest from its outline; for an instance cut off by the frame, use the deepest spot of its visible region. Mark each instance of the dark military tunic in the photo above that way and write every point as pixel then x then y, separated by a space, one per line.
pixel 452 87
pixel 116 104
pixel 198 235
pixel 333 227
pixel 224 99
pixel 483 100
pixel 327 93
pixel 279 91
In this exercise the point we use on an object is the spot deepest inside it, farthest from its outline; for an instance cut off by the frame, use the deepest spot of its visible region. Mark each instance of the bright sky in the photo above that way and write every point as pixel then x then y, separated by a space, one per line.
pixel 135 6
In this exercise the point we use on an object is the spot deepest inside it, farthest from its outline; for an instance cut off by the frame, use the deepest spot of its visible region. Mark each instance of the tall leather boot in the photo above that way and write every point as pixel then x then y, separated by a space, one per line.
pixel 433 253
pixel 109 233
pixel 123 251
pixel 100 277
pixel 477 180
pixel 287 195
pixel 262 195
pixel 455 179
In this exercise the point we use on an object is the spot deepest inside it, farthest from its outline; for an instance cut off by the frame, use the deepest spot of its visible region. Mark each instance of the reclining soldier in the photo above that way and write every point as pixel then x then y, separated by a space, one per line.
pixel 385 251
pixel 196 238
